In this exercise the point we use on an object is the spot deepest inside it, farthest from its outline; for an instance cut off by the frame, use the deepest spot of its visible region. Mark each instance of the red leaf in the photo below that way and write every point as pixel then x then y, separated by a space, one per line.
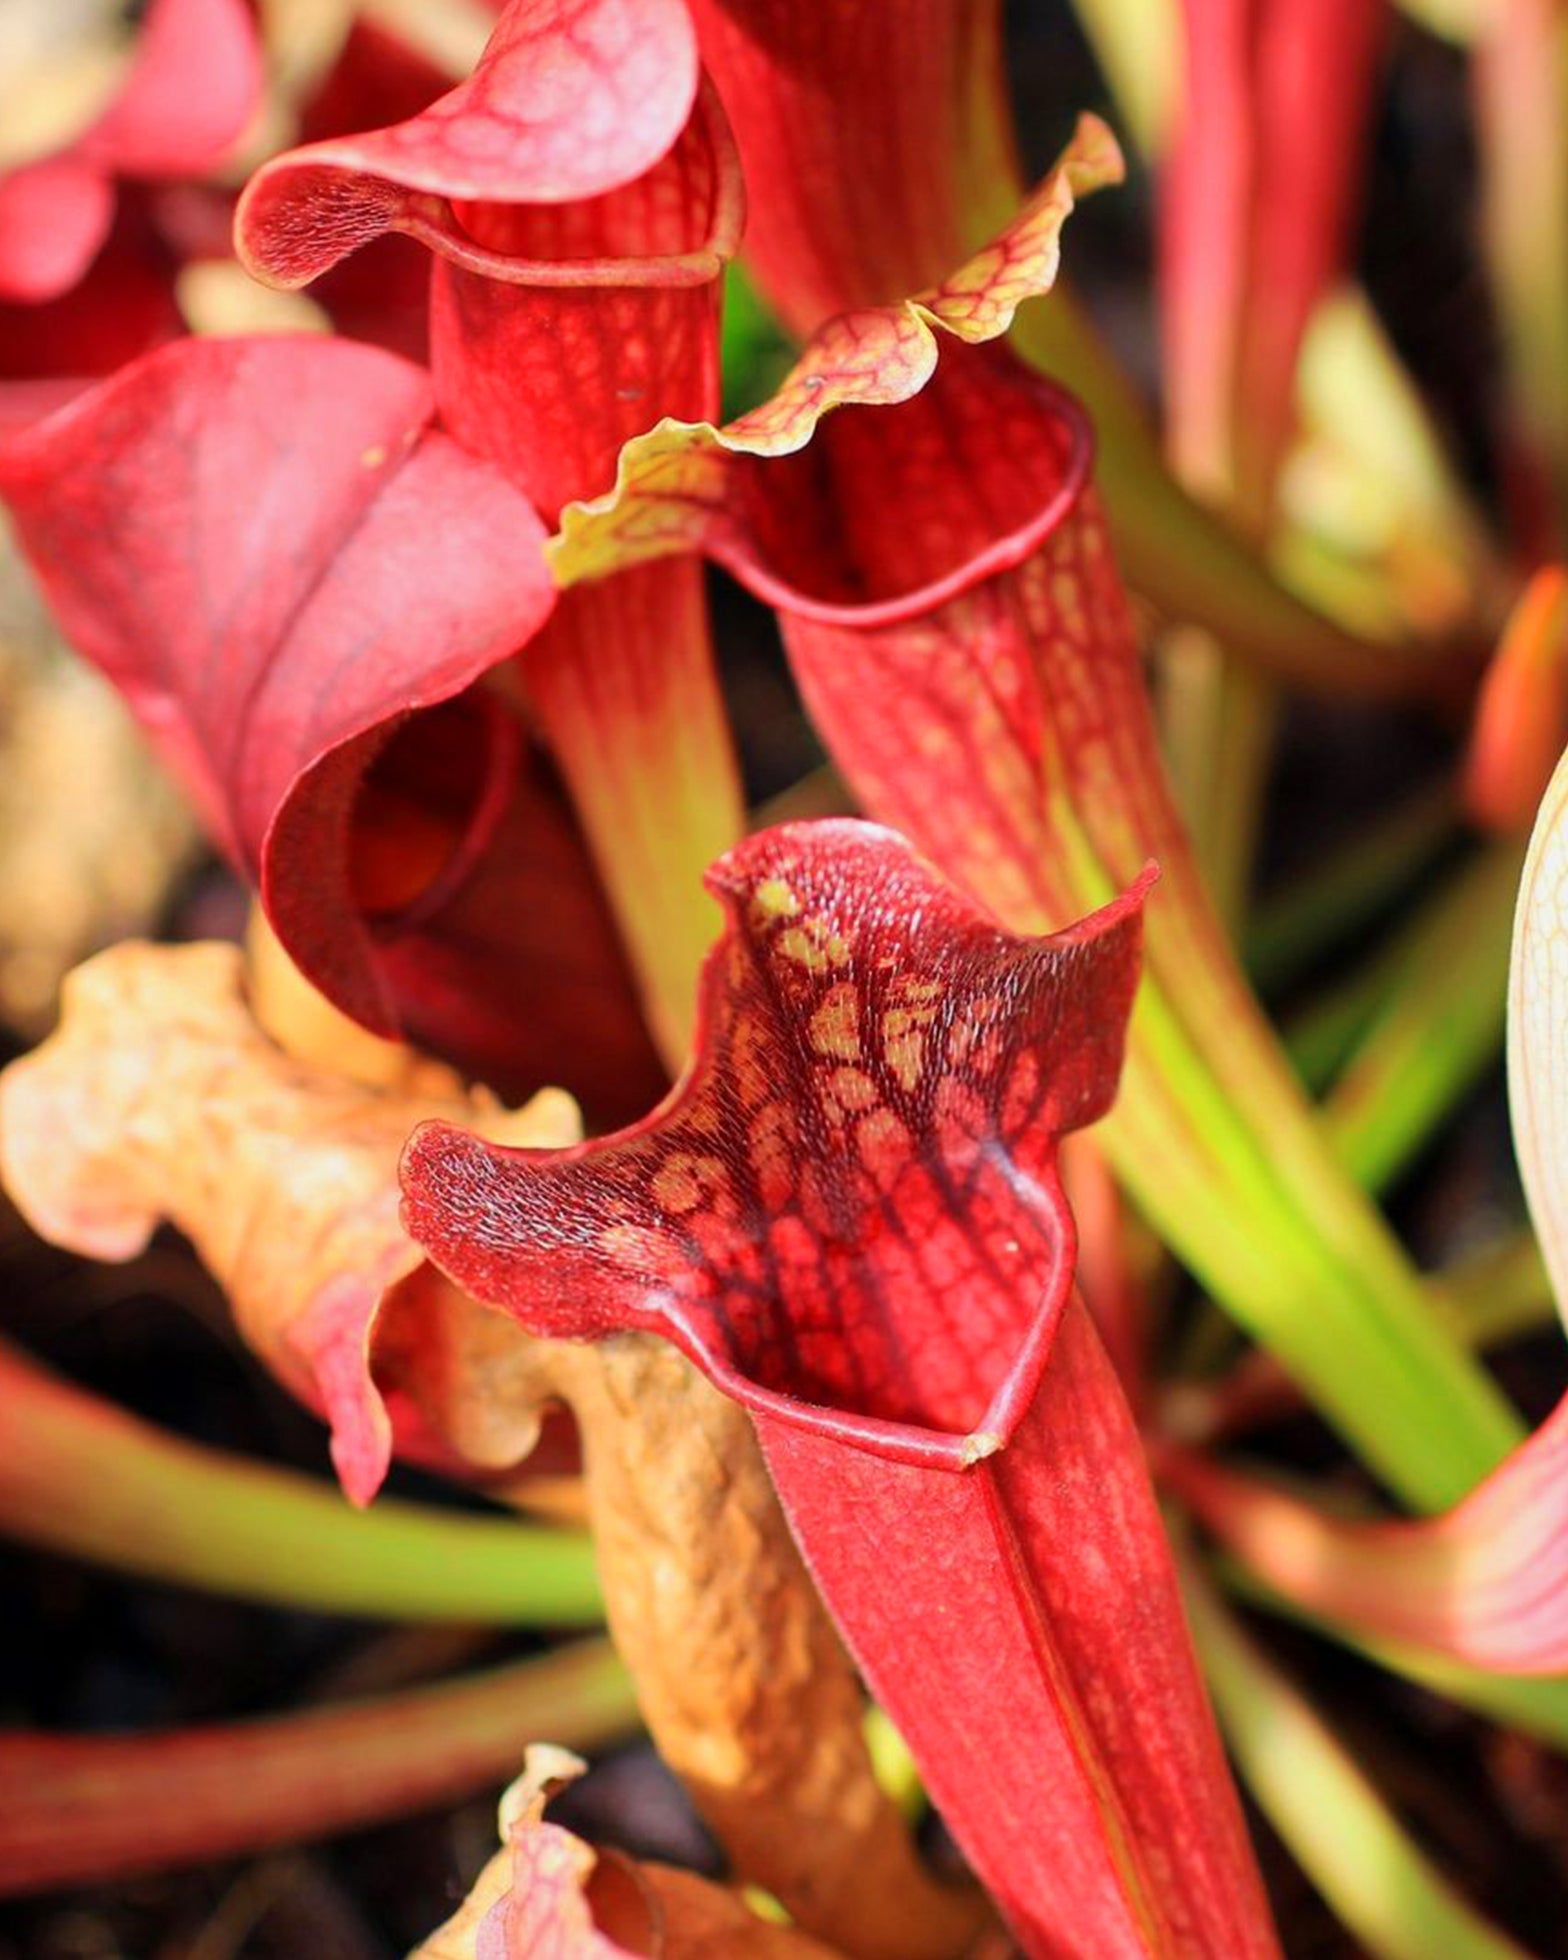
pixel 1486 1583
pixel 185 102
pixel 848 1215
pixel 874 139
pixel 1258 200
pixel 571 98
pixel 558 330
pixel 238 533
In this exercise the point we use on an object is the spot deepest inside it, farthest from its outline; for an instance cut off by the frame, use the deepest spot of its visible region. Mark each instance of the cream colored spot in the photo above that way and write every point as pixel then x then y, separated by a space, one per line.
pixel 774 899
pixel 747 1069
pixel 835 1026
pixel 682 1183
pixel 813 945
pixel 904 1042
pixel 852 1089
pixel 675 1186
pixel 772 1149
pixel 880 1137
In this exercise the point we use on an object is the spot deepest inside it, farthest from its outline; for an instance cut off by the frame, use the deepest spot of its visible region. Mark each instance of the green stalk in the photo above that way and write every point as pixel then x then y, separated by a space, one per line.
pixel 1321 1039
pixel 1342 893
pixel 1438 1030
pixel 1219 719
pixel 755 352
pixel 79 1476
pixel 1535 1707
pixel 89 1809
pixel 1221 1153
pixel 1187 562
pixel 1138 46
pixel 1499 1292
pixel 1336 1824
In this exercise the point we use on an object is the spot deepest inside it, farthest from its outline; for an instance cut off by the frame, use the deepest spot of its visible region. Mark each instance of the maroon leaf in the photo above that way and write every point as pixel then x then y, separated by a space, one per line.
pixel 848 1215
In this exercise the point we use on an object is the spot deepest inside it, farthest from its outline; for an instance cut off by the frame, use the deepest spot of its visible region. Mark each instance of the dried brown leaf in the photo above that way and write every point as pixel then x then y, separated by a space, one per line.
pixel 742 1679
pixel 549 1896
pixel 160 1098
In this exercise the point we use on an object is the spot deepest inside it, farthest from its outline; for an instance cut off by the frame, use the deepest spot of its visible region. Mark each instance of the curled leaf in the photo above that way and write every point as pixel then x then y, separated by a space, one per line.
pixel 684 487
pixel 558 108
pixel 299 675
pixel 574 300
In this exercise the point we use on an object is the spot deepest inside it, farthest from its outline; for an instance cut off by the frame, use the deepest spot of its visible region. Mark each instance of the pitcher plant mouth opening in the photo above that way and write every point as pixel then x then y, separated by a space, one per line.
pixel 765 1369
pixel 988 460
pixel 675 222
pixel 678 224
pixel 863 1150
pixel 428 806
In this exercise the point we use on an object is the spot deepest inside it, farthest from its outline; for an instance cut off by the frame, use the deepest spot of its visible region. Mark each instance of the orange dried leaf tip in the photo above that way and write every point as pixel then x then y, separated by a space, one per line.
pixel 549 1896
pixel 1521 720
pixel 159 1098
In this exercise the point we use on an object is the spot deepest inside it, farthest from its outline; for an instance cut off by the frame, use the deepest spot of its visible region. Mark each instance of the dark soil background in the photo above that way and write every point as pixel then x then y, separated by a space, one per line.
pixel 81 1650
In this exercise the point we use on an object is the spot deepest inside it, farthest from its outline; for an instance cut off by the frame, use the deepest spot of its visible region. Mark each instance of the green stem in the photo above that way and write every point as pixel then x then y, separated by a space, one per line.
pixel 1499 1292
pixel 1219 1150
pixel 1138 46
pixel 82 1477
pixel 1535 1707
pixel 1346 890
pixel 1187 562
pixel 1321 1039
pixel 1336 1824
pixel 1440 1027
pixel 99 1808
pixel 1219 719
